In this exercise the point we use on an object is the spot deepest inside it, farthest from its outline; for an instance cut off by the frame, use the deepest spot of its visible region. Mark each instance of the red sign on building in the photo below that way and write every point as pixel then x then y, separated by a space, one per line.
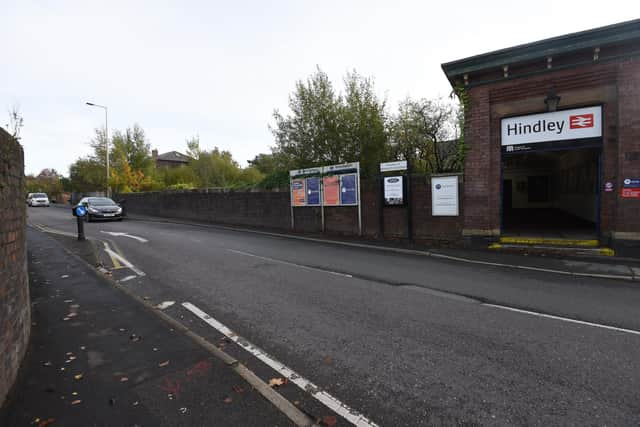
pixel 581 121
pixel 630 193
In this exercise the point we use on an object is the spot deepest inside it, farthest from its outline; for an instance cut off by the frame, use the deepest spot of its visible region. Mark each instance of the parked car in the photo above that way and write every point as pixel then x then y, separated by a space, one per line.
pixel 38 199
pixel 99 208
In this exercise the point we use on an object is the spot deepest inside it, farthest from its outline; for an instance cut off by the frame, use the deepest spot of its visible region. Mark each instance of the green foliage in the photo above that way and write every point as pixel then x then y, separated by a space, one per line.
pixel 47 181
pixel 325 128
pixel 87 174
pixel 424 133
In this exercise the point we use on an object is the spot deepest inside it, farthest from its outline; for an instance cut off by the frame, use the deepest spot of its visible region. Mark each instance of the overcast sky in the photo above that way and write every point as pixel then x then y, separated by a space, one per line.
pixel 219 69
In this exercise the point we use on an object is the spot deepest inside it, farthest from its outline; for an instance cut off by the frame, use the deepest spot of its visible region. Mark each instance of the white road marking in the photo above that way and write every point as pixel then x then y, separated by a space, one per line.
pixel 123 260
pixel 290 263
pixel 328 400
pixel 126 279
pixel 564 319
pixel 131 236
pixel 165 304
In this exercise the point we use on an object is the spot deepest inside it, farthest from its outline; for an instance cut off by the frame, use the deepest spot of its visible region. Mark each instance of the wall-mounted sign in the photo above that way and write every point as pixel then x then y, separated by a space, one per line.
pixel 308 171
pixel 630 193
pixel 444 196
pixel 518 133
pixel 349 189
pixel 631 183
pixel 400 165
pixel 298 193
pixel 393 190
pixel 313 191
pixel 341 167
pixel 331 186
pixel 608 187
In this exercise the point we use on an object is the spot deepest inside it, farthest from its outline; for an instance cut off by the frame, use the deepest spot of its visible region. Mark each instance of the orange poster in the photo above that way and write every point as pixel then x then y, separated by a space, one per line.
pixel 331 190
pixel 298 192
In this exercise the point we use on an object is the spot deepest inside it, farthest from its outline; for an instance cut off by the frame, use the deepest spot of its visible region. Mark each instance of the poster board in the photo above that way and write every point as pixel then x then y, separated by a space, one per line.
pixel 298 192
pixel 313 191
pixel 349 189
pixel 444 196
pixel 394 190
pixel 331 192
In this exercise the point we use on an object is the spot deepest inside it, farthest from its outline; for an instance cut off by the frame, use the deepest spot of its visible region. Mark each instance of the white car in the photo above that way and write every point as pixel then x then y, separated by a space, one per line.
pixel 38 199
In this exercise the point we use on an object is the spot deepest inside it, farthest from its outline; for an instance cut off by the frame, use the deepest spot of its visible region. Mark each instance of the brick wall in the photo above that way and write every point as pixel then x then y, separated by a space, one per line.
pixel 272 210
pixel 614 85
pixel 15 314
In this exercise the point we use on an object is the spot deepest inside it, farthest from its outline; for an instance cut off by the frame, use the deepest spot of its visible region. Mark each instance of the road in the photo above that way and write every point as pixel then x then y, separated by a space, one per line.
pixel 401 339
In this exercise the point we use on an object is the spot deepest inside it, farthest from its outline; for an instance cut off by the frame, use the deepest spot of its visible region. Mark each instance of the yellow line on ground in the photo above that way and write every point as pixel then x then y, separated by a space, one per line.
pixel 114 260
pixel 521 240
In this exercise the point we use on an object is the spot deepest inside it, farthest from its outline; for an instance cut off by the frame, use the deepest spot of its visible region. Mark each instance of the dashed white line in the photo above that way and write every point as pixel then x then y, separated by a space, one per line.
pixel 353 416
pixel 564 319
pixel 305 267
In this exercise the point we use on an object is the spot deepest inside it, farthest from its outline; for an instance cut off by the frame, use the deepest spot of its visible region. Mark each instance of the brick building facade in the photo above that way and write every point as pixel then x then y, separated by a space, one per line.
pixel 504 192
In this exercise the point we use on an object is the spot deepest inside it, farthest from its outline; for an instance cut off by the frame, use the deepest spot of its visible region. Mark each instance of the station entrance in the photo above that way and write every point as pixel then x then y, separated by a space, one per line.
pixel 551 193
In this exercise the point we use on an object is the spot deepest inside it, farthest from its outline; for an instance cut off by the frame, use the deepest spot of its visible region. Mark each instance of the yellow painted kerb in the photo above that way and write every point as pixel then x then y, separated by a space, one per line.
pixel 521 240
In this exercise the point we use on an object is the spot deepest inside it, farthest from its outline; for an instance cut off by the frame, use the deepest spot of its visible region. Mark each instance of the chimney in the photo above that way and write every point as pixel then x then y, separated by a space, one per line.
pixel 154 154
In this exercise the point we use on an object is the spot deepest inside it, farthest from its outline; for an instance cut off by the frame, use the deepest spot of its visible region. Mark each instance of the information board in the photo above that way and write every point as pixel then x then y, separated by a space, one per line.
pixel 393 190
pixel 298 193
pixel 331 185
pixel 444 196
pixel 349 189
pixel 313 191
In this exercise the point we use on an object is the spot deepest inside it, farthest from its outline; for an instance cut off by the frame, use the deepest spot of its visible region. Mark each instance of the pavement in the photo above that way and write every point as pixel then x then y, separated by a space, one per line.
pixel 399 337
pixel 97 357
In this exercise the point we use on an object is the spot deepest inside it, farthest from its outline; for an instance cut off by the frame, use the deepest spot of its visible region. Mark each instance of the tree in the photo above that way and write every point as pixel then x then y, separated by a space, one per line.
pixel 215 168
pixel 16 122
pixel 423 132
pixel 131 166
pixel 309 136
pixel 324 128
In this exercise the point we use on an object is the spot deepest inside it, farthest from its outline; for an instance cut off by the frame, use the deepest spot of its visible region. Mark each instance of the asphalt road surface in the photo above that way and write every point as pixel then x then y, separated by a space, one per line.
pixel 401 339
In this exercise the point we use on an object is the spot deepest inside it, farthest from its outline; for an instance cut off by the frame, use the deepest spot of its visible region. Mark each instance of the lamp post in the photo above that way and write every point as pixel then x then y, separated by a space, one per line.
pixel 106 133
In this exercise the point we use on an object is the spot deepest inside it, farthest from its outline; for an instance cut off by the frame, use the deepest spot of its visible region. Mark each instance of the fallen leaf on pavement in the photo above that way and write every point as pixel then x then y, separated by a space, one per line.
pixel 47 364
pixel 163 364
pixel 74 393
pixel 228 400
pixel 328 420
pixel 69 353
pixel 276 382
pixel 78 376
pixel 64 276
pixel 124 379
pixel 76 402
pixel 327 360
pixel 183 410
pixel 238 389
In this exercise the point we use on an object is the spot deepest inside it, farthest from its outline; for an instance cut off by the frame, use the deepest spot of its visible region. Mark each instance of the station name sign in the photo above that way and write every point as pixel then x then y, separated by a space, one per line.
pixel 566 125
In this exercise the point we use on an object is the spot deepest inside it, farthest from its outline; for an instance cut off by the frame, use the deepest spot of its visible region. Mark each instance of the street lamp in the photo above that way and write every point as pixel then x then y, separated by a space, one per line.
pixel 106 132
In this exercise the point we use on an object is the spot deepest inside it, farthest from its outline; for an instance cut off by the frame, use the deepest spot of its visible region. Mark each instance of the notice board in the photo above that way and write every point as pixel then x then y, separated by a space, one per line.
pixel 331 190
pixel 349 189
pixel 298 193
pixel 444 196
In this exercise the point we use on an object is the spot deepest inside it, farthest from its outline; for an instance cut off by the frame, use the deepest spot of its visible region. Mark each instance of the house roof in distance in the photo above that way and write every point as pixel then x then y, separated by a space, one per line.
pixel 174 156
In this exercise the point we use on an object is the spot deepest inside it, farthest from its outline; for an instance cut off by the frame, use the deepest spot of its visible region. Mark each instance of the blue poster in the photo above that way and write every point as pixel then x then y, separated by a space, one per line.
pixel 313 191
pixel 348 189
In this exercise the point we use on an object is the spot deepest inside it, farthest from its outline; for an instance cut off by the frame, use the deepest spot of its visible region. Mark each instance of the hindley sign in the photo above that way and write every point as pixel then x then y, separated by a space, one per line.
pixel 551 130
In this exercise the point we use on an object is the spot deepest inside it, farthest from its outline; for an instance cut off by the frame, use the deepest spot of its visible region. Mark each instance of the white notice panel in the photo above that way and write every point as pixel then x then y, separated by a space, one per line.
pixel 393 190
pixel 444 196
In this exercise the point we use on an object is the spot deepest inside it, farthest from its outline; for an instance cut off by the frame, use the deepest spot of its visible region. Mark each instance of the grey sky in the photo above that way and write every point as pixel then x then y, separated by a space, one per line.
pixel 218 69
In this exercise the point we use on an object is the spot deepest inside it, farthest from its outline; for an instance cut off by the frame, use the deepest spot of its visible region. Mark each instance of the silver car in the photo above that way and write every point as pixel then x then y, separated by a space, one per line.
pixel 38 199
